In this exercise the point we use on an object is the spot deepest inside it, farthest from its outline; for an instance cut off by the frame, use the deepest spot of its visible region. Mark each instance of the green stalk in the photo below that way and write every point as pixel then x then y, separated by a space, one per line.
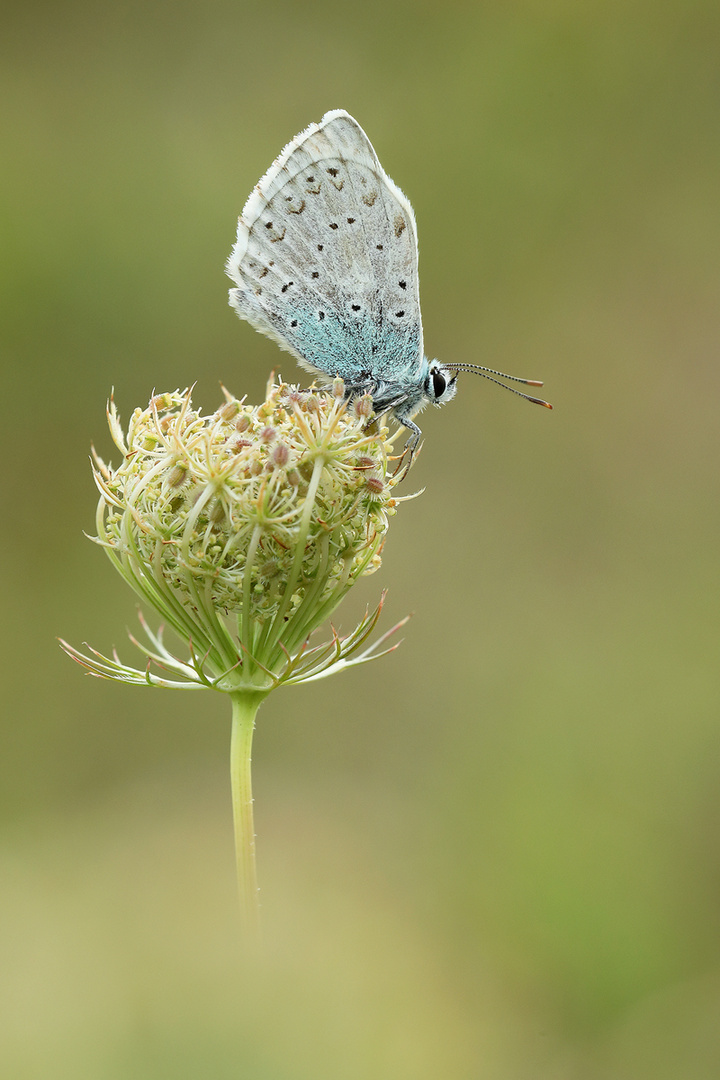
pixel 245 704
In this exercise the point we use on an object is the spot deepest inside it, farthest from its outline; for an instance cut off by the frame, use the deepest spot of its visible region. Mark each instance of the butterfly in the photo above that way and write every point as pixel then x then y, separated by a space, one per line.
pixel 326 264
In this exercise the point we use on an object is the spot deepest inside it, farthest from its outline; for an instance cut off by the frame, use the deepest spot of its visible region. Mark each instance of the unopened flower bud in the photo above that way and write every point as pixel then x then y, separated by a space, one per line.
pixel 177 475
pixel 363 407
pixel 268 434
pixel 228 410
pixel 375 485
pixel 280 455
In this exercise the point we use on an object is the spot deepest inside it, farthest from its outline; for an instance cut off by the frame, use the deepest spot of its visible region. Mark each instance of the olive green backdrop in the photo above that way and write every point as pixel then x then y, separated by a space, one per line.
pixel 494 855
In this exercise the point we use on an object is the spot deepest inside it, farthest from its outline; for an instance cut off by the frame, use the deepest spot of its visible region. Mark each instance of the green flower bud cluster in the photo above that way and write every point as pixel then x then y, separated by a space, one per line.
pixel 245 528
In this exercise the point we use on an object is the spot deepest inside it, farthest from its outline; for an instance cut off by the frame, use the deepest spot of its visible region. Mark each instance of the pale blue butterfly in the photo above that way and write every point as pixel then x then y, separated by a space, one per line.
pixel 326 264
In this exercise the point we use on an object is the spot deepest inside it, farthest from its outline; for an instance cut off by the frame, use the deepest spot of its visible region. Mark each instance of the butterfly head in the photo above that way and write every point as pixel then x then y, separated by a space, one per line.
pixel 440 385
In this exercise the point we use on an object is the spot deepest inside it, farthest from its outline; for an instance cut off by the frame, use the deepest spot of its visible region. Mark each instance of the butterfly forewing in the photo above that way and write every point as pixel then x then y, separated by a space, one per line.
pixel 326 258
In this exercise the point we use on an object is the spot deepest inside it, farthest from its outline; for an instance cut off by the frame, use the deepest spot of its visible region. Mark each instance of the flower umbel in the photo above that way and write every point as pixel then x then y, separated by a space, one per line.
pixel 244 529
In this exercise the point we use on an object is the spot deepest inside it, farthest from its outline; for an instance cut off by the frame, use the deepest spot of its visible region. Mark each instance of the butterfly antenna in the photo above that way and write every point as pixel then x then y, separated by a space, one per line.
pixel 488 373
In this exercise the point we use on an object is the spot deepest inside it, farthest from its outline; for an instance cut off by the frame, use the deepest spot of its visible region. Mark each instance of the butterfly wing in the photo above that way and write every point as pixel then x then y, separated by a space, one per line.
pixel 325 261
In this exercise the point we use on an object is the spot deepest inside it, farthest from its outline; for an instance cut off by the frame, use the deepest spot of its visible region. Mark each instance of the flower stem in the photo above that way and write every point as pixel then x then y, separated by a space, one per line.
pixel 245 704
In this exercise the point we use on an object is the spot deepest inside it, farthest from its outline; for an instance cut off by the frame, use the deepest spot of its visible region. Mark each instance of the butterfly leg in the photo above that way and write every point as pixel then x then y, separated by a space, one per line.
pixel 411 447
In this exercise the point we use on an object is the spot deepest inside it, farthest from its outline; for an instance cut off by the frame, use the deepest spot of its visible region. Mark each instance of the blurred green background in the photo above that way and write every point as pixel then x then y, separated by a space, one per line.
pixel 494 855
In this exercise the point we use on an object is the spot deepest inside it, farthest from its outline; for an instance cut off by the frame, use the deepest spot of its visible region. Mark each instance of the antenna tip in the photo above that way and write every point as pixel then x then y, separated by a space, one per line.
pixel 532 382
pixel 539 401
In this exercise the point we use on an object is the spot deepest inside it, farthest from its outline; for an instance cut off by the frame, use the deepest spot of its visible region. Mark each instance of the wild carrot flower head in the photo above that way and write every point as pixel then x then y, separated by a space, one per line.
pixel 244 529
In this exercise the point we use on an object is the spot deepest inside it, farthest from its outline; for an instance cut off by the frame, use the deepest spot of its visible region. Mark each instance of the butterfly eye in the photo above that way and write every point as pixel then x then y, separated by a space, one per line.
pixel 439 383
